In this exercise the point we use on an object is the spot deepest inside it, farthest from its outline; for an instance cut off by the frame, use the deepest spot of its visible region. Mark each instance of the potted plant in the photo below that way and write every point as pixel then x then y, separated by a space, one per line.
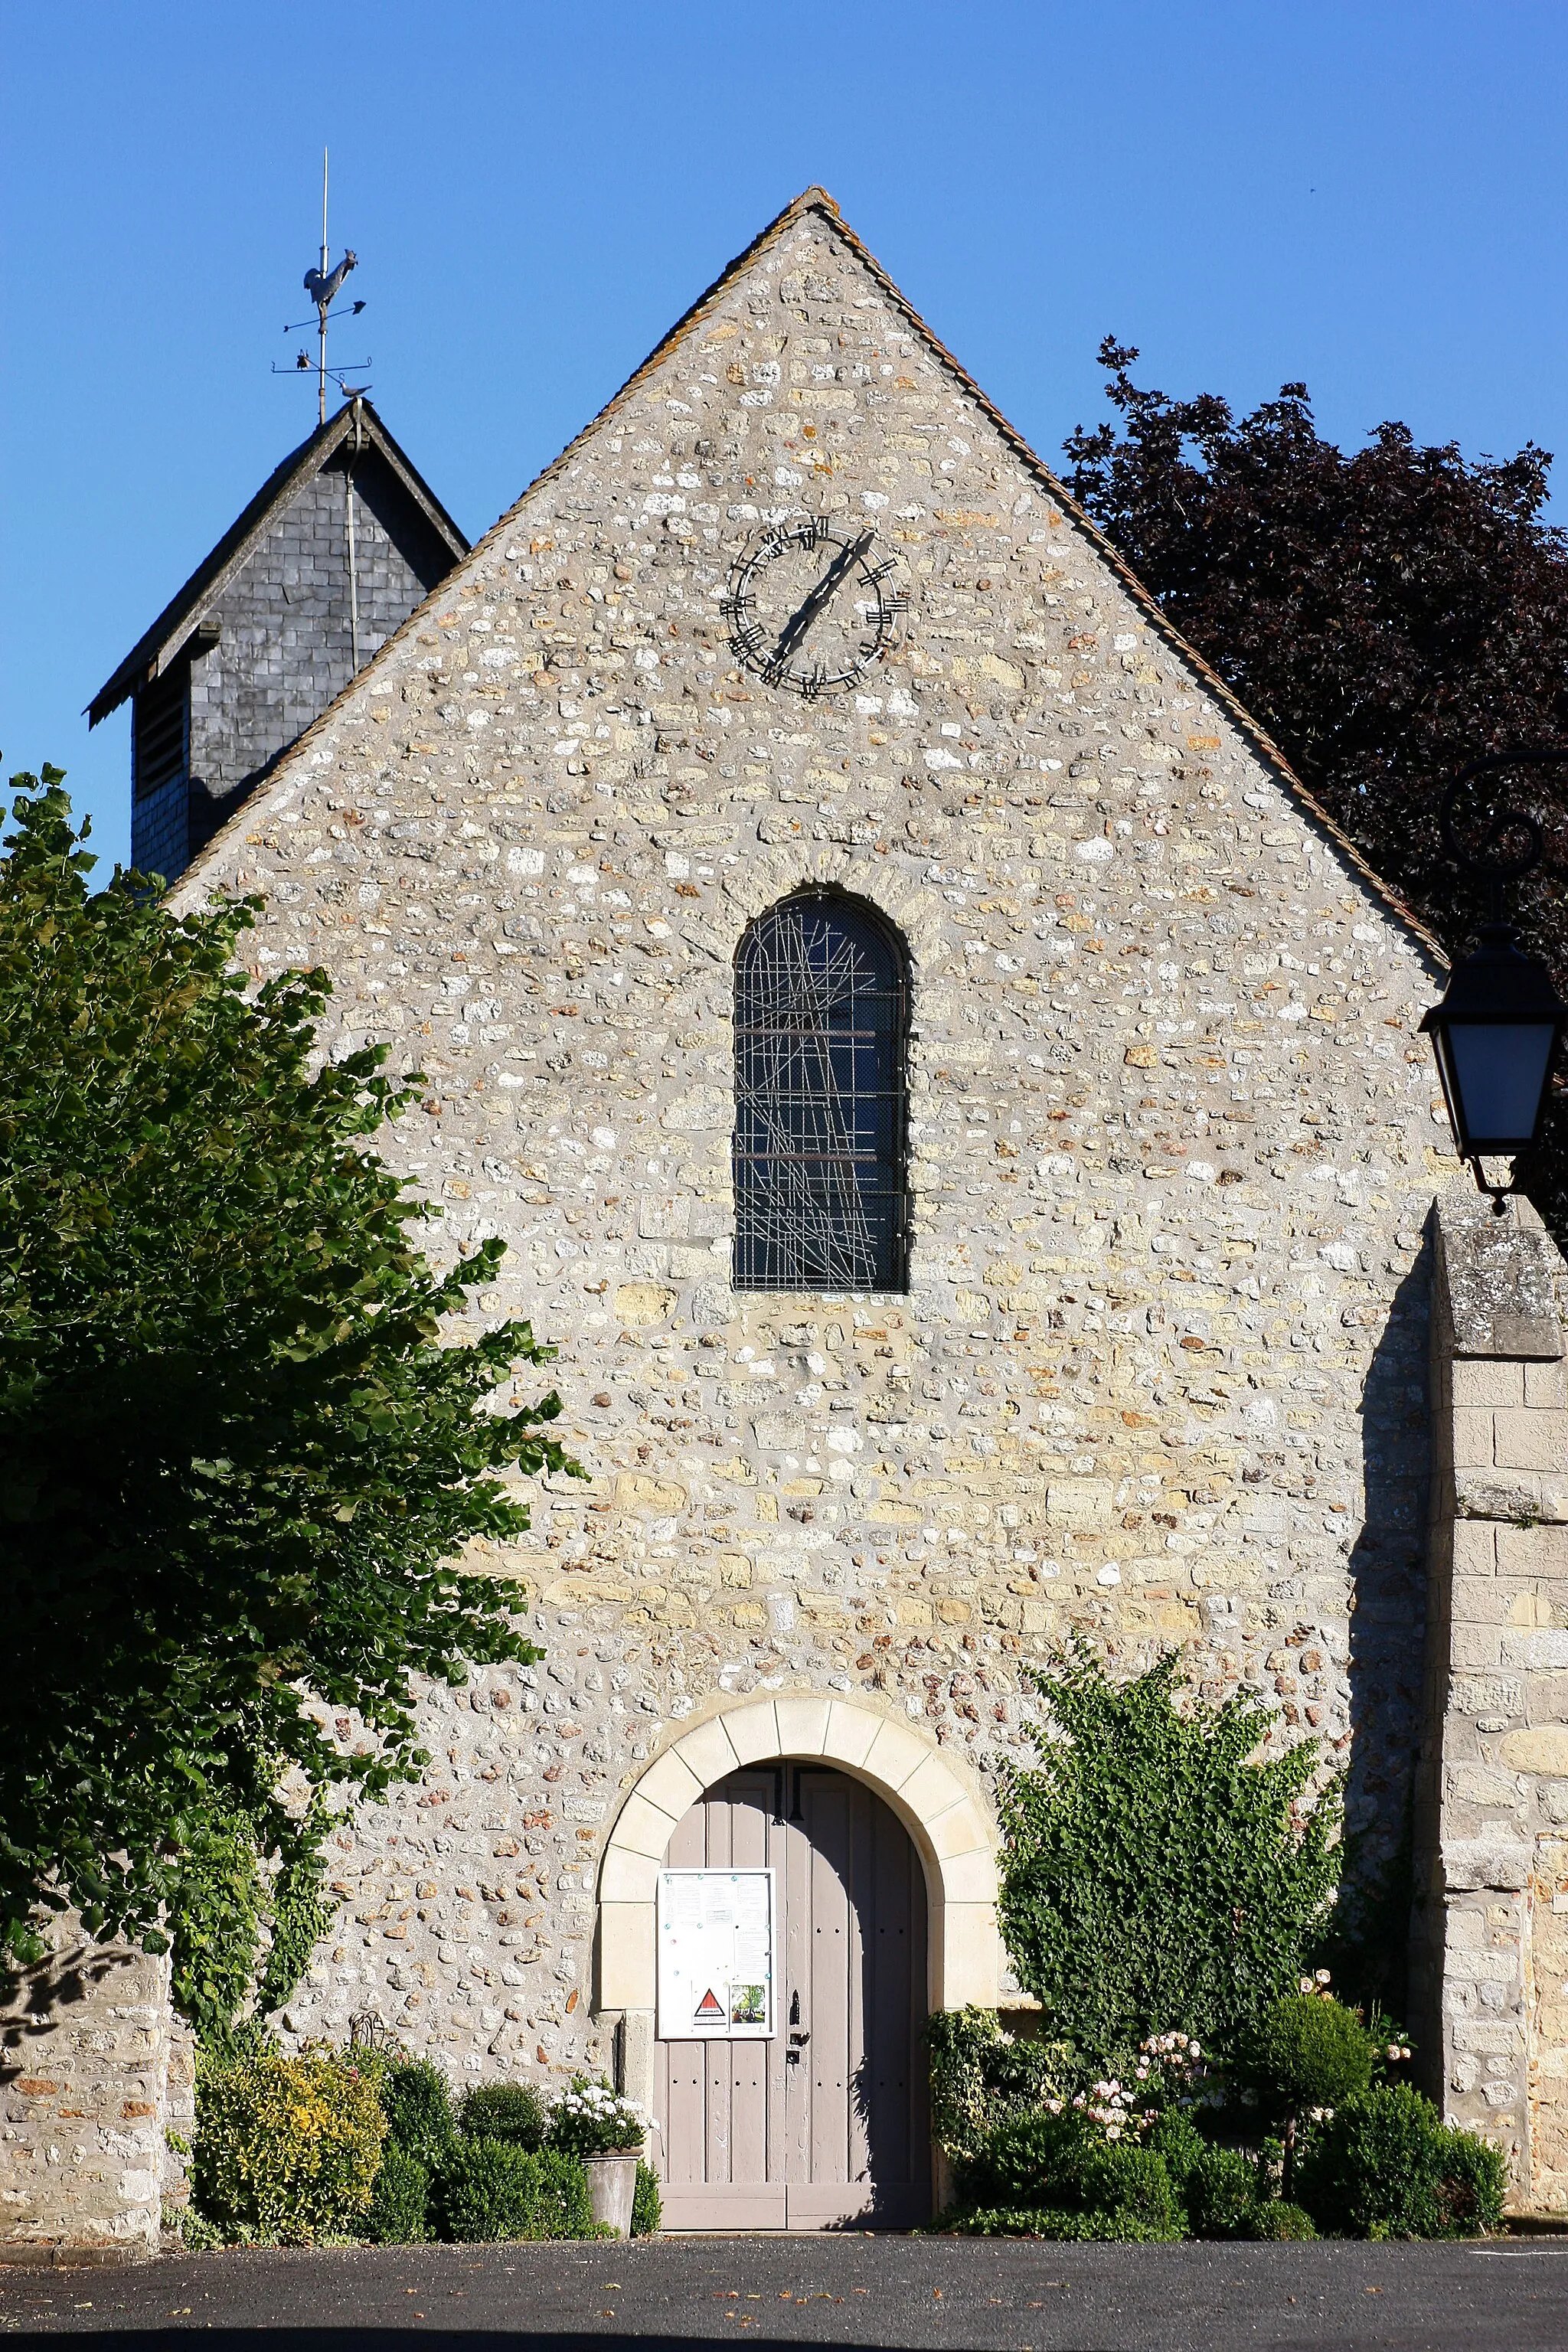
pixel 604 2132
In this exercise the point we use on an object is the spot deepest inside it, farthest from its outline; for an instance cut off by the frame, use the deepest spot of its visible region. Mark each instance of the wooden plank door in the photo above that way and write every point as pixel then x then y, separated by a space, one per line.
pixel 823 2126
pixel 720 2106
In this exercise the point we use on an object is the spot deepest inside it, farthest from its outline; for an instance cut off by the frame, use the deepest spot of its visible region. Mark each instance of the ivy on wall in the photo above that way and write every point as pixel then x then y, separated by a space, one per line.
pixel 1158 1867
pixel 244 1920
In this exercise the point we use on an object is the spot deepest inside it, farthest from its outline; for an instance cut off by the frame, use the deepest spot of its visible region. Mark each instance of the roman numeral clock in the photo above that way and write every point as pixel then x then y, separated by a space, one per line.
pixel 811 605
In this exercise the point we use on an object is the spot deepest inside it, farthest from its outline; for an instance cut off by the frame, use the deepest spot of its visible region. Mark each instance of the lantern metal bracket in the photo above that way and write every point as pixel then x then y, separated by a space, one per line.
pixel 1489 862
pixel 1497 1194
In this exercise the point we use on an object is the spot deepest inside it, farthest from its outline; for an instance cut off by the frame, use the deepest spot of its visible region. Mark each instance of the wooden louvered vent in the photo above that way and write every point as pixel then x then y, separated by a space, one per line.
pixel 161 726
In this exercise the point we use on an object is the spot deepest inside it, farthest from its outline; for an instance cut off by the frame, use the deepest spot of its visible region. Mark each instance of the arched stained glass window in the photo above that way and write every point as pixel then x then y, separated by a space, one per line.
pixel 821 1006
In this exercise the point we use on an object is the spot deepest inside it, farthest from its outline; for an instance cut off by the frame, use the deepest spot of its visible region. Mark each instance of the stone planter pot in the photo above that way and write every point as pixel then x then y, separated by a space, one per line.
pixel 612 2185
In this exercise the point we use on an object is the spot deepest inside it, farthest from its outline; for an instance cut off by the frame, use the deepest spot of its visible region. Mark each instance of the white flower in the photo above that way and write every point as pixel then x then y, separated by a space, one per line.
pixel 1322 1976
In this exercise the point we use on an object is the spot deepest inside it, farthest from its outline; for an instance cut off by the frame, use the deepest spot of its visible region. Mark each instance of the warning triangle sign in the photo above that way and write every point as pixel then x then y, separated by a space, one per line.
pixel 709 2005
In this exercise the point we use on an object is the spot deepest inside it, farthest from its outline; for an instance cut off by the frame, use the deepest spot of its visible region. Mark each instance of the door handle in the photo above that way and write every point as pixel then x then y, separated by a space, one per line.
pixel 799 2037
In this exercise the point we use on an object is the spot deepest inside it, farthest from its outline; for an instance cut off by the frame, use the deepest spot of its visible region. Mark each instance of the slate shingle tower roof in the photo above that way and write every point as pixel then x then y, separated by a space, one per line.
pixel 333 552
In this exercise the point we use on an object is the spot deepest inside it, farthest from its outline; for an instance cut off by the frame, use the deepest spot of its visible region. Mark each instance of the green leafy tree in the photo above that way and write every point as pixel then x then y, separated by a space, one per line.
pixel 246 1434
pixel 1158 1872
pixel 1388 614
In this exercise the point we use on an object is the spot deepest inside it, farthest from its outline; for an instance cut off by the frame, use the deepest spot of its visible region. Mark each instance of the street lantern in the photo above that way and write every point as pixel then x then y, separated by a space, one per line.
pixel 1496 1032
pixel 1494 1035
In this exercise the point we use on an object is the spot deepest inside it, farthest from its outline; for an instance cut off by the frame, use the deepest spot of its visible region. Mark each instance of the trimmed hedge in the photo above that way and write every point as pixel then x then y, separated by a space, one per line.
pixel 492 2189
pixel 1120 2228
pixel 1386 2166
pixel 1221 2194
pixel 648 2205
pixel 1049 2171
pixel 510 2111
pixel 418 2100
pixel 400 2201
pixel 1281 2224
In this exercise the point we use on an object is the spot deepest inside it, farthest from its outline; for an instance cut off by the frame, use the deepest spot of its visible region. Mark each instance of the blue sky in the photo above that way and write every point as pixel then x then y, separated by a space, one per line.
pixel 1369 196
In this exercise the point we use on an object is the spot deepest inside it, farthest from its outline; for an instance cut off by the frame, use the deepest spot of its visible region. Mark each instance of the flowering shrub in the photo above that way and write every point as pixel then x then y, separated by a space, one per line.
pixel 1171 2073
pixel 1173 2070
pixel 590 2119
pixel 980 2074
pixel 287 2149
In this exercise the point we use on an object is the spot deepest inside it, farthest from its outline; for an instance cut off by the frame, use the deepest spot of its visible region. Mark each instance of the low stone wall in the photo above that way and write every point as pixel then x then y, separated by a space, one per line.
pixel 85 2082
pixel 1489 1942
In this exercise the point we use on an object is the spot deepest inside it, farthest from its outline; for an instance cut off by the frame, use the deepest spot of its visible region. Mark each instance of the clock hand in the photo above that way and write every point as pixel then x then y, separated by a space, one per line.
pixel 794 630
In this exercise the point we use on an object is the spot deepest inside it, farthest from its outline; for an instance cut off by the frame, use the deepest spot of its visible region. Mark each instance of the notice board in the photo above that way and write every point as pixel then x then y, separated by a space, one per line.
pixel 716 1935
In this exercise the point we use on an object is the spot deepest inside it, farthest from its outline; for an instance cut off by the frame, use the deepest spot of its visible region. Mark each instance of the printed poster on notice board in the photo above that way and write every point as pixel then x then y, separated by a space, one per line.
pixel 715 1955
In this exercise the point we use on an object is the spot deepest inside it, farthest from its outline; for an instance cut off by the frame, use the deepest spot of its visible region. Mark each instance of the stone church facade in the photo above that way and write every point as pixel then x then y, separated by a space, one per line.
pixel 1154 1361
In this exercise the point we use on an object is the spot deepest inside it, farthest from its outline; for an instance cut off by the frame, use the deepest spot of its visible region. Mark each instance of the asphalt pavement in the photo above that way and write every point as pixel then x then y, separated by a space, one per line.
pixel 952 2295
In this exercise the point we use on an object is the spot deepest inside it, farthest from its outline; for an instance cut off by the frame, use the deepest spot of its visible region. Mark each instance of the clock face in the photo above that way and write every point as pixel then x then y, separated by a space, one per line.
pixel 812 604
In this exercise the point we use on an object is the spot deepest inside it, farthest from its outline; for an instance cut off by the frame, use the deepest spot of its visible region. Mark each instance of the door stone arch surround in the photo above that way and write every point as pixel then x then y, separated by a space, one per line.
pixel 945 1816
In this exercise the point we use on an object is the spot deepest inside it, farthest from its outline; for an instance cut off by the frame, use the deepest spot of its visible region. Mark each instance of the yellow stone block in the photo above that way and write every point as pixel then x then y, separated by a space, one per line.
pixel 1542 1749
pixel 637 1491
pixel 1083 1504
pixel 639 1303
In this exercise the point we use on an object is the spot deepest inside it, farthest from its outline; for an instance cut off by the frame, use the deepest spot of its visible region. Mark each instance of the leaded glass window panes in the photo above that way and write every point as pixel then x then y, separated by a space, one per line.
pixel 820 1019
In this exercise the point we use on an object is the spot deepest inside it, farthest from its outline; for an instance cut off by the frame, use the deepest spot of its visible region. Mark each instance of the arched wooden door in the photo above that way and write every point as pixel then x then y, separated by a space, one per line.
pixel 826 2125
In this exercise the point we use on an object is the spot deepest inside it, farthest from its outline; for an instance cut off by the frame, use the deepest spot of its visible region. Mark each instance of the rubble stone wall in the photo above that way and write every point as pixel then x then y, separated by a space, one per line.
pixel 84 2040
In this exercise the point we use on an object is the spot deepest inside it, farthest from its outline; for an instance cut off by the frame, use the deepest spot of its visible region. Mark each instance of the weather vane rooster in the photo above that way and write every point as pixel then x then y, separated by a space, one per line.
pixel 323 286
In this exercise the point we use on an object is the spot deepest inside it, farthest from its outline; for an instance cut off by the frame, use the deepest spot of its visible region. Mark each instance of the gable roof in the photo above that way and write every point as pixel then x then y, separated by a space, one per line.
pixel 162 642
pixel 817 200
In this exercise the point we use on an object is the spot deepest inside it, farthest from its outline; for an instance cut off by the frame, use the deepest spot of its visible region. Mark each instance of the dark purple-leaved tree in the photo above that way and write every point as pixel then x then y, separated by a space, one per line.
pixel 1388 614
